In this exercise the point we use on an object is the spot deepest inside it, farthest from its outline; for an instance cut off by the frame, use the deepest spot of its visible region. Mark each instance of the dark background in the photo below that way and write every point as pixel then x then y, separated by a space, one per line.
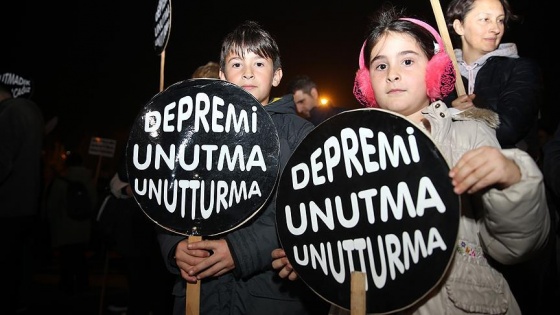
pixel 93 63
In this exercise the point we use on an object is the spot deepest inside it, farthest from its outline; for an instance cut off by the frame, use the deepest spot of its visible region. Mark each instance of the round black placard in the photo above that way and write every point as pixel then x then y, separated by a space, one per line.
pixel 162 28
pixel 202 157
pixel 369 191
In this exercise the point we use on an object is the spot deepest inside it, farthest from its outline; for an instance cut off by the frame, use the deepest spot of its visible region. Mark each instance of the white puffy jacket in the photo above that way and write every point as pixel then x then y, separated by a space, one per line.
pixel 509 225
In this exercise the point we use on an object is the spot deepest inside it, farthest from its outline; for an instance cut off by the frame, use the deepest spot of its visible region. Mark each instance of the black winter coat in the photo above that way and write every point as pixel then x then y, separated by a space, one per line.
pixel 513 88
pixel 22 129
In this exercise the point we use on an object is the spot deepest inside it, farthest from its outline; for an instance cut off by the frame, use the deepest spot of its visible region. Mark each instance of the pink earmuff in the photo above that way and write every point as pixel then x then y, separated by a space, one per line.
pixel 362 83
pixel 440 75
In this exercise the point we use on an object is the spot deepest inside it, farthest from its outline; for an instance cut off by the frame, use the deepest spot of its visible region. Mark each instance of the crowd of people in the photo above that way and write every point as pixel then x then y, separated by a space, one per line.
pixel 507 181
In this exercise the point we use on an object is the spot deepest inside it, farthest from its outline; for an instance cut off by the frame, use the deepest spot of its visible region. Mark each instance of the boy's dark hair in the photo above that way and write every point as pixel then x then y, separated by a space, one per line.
pixel 301 82
pixel 249 36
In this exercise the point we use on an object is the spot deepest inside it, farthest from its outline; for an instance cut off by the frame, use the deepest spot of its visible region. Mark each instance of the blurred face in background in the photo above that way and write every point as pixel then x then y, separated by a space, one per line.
pixel 305 102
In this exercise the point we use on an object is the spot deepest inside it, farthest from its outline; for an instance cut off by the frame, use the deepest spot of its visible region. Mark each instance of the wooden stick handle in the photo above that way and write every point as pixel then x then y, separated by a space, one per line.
pixel 162 71
pixel 358 293
pixel 442 27
pixel 193 289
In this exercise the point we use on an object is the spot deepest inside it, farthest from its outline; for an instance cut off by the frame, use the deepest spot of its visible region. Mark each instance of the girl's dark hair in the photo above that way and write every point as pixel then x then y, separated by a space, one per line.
pixel 387 20
pixel 249 36
pixel 458 9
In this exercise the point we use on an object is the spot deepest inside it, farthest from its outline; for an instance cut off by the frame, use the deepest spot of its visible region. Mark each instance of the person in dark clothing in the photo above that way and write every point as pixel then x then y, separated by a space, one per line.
pixel 22 130
pixel 551 174
pixel 306 97
pixel 134 237
pixel 70 237
pixel 237 277
pixel 551 167
pixel 497 78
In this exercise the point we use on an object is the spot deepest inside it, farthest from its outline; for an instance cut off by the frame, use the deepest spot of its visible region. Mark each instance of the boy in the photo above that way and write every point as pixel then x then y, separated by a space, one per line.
pixel 237 278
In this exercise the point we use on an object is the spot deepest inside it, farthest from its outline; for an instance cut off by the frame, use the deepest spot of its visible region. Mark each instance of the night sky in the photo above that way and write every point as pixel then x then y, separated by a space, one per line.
pixel 93 63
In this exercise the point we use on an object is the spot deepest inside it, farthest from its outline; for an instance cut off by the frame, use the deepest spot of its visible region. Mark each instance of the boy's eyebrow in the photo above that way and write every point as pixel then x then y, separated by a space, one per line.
pixel 233 57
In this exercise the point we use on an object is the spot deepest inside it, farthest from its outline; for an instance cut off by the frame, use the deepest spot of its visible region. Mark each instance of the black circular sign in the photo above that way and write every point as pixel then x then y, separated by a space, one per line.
pixel 368 191
pixel 202 157
pixel 162 28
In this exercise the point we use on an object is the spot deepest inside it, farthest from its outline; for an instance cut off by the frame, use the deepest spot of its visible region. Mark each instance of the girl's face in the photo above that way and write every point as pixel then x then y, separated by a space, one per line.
pixel 398 74
pixel 253 73
pixel 483 27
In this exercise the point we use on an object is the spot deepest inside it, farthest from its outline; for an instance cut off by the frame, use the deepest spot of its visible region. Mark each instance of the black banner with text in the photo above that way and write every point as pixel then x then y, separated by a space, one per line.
pixel 369 191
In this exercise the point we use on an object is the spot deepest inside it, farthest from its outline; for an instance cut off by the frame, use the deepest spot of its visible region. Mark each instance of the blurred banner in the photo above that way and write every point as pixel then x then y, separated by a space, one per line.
pixel 20 86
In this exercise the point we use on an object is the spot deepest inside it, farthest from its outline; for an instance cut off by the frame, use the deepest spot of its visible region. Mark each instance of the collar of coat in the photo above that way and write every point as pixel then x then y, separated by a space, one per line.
pixel 485 115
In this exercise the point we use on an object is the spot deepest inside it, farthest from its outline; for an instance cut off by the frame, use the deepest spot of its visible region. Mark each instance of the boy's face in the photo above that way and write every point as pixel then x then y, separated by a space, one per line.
pixel 398 74
pixel 253 73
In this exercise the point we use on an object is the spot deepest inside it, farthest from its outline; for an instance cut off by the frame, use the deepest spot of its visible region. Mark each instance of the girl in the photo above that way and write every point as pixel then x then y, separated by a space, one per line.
pixel 404 69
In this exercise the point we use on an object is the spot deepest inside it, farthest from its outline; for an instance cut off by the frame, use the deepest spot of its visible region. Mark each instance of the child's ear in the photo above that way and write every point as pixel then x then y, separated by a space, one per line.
pixel 222 75
pixel 277 77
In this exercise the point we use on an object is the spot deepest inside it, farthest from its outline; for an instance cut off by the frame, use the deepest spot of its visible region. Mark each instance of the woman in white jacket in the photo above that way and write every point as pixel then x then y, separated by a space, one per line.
pixel 504 216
